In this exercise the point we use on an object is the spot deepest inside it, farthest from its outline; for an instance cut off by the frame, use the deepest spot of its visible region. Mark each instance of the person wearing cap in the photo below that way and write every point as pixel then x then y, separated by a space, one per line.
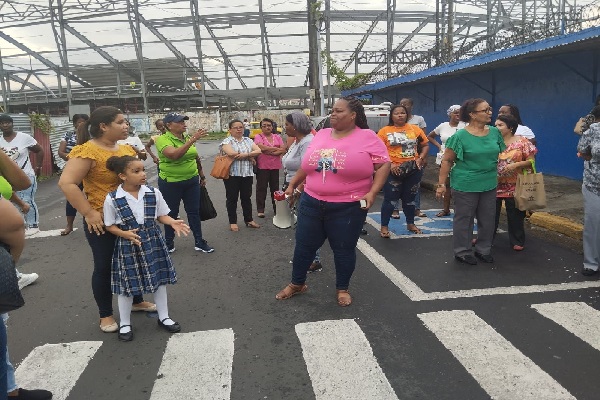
pixel 444 131
pixel 180 176
pixel 17 146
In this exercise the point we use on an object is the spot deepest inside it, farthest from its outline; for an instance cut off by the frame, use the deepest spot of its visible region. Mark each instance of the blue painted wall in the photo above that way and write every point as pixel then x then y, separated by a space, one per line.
pixel 551 93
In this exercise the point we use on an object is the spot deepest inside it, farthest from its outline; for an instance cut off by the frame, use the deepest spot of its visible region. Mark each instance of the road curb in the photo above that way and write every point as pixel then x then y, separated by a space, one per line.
pixel 557 224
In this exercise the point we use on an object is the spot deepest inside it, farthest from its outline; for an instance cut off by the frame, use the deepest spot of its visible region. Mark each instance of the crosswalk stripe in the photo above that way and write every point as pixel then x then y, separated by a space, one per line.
pixel 56 367
pixel 576 317
pixel 501 369
pixel 341 363
pixel 197 366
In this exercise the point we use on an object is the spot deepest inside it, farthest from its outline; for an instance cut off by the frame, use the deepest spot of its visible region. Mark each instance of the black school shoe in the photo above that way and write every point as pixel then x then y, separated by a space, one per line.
pixel 126 337
pixel 37 394
pixel 169 328
pixel 588 272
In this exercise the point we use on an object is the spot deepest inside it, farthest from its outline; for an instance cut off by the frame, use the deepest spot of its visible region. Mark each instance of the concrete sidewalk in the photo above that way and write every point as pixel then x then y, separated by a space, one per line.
pixel 564 213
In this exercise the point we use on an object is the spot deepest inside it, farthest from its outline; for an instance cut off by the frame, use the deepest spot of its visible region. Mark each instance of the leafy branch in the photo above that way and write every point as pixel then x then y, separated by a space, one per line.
pixel 41 122
pixel 343 81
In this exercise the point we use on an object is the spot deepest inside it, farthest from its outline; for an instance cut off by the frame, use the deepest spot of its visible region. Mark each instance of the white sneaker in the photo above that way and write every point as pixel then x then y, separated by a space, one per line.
pixel 31 231
pixel 27 279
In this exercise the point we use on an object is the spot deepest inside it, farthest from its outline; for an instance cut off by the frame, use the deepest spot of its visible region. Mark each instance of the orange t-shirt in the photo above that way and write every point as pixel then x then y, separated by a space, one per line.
pixel 99 181
pixel 402 142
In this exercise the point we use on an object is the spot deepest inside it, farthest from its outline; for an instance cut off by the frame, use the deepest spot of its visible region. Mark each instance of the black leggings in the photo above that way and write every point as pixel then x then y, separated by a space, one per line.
pixel 102 250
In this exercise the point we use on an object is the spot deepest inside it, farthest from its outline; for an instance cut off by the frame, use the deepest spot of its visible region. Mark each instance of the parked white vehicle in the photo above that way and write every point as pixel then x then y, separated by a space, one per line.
pixel 378 116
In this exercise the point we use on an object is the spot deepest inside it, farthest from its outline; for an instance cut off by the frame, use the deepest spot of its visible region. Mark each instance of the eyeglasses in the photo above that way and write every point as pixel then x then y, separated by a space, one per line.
pixel 487 110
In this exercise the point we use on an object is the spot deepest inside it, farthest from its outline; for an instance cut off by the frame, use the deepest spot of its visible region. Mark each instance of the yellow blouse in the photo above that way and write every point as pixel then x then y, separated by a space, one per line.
pixel 99 181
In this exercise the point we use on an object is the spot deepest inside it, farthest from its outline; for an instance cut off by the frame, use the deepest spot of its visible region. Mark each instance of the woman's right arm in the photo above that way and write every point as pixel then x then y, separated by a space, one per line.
pixel 431 138
pixel 447 163
pixel 173 153
pixel 13 173
pixel 73 174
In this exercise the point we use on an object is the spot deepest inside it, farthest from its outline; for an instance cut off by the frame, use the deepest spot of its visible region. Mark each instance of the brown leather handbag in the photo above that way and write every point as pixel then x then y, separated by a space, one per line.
pixel 220 169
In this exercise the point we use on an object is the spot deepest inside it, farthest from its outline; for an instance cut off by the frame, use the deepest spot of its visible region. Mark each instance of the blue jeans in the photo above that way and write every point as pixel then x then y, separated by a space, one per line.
pixel 4 363
pixel 27 195
pixel 174 193
pixel 400 189
pixel 11 382
pixel 340 223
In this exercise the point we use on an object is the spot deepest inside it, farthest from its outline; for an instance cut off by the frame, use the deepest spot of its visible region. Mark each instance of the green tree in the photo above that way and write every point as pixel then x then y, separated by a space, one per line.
pixel 343 81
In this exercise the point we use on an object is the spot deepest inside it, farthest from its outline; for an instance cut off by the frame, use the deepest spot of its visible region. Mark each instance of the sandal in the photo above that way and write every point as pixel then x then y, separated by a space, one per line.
pixel 443 213
pixel 261 215
pixel 252 224
pixel 343 298
pixel 385 235
pixel 290 290
pixel 414 229
pixel 420 214
pixel 234 228
pixel 396 214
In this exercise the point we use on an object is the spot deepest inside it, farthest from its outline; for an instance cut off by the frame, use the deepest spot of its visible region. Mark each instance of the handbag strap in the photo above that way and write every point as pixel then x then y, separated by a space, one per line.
pixel 532 167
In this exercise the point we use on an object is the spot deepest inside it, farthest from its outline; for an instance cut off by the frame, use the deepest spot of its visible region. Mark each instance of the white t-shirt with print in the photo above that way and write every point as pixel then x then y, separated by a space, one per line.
pixel 444 130
pixel 418 121
pixel 18 150
pixel 133 141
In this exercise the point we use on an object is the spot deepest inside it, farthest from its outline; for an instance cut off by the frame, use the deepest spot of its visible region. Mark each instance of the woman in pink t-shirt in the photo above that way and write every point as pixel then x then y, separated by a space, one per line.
pixel 268 163
pixel 343 166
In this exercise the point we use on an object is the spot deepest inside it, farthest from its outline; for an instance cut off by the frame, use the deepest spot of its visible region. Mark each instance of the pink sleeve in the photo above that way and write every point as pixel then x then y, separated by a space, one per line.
pixel 258 139
pixel 375 147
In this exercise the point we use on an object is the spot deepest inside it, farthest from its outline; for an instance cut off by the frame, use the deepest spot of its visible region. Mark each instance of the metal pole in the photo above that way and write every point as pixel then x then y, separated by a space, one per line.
pixel 328 48
pixel 4 94
pixel 137 38
pixel 391 7
pixel 313 56
pixel 196 26
pixel 264 54
pixel 437 32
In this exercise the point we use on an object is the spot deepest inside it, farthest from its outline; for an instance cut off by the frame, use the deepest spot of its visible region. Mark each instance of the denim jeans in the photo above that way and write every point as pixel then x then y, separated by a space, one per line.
pixel 4 363
pixel 102 250
pixel 340 223
pixel 27 195
pixel 11 381
pixel 405 190
pixel 189 192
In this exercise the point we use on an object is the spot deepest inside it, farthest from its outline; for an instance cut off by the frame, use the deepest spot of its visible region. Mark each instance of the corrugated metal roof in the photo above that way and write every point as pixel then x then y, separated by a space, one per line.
pixel 588 37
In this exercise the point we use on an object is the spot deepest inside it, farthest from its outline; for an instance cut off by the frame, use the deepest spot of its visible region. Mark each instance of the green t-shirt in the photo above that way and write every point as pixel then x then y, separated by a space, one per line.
pixel 5 188
pixel 476 161
pixel 176 170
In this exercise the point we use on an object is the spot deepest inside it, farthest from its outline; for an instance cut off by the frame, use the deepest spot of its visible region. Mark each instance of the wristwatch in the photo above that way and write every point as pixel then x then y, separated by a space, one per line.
pixel 440 185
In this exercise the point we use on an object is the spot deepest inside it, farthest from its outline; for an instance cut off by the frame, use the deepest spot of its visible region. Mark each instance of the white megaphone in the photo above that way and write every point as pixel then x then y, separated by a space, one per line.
pixel 283 213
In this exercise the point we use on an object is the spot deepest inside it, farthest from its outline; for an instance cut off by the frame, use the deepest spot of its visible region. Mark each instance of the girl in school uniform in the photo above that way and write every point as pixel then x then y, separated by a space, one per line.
pixel 141 262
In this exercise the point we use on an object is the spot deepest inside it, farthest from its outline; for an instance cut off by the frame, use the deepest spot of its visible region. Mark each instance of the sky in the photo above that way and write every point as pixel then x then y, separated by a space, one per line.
pixel 289 69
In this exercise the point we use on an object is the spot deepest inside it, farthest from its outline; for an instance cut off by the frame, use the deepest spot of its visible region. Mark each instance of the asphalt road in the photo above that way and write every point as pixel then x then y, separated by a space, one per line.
pixel 421 325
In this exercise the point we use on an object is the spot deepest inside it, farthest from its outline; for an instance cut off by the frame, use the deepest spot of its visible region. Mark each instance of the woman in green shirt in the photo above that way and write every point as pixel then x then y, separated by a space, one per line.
pixel 471 158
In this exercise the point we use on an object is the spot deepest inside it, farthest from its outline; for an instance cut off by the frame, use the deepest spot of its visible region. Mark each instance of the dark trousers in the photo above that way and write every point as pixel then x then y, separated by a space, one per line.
pixel 102 250
pixel 70 211
pixel 174 193
pixel 404 189
pixel 238 186
pixel 264 178
pixel 340 223
pixel 467 207
pixel 3 355
pixel 515 219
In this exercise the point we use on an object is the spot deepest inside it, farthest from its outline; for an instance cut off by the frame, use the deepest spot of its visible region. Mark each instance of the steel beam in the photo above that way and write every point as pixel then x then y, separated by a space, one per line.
pixel 136 35
pixel 363 41
pixel 226 58
pixel 56 20
pixel 196 14
pixel 264 55
pixel 391 10
pixel 3 84
pixel 175 51
pixel 41 59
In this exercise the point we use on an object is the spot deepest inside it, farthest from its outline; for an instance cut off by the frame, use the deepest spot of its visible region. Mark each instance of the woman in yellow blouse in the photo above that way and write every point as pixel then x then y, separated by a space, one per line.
pixel 96 143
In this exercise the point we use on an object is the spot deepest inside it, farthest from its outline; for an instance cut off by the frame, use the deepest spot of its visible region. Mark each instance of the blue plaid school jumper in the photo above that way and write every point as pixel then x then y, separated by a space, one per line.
pixel 140 269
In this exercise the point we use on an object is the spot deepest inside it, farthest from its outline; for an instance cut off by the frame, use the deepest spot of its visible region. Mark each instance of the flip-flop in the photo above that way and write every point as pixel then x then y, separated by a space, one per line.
pixel 65 233
pixel 420 215
pixel 395 216
pixel 385 235
pixel 442 214
pixel 416 230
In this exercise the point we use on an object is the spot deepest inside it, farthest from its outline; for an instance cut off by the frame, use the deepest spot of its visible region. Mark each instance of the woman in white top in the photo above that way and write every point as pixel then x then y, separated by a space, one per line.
pixel 522 130
pixel 444 131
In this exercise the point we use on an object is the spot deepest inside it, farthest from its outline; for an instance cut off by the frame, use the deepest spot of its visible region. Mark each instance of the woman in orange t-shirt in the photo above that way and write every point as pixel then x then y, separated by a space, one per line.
pixel 401 140
pixel 96 143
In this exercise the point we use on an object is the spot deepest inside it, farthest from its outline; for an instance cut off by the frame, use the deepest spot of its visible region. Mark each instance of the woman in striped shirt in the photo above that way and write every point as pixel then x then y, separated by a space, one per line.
pixel 243 151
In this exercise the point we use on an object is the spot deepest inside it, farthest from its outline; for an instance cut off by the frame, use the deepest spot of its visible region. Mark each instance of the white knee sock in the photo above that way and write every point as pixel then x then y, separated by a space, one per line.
pixel 125 304
pixel 160 299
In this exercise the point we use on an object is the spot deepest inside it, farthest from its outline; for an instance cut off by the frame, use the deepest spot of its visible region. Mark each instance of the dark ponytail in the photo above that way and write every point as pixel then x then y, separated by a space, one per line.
pixel 355 105
pixel 118 164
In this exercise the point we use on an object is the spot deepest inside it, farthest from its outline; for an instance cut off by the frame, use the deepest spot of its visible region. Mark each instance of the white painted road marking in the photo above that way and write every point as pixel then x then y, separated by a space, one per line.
pixel 341 363
pixel 49 233
pixel 415 293
pixel 578 318
pixel 502 370
pixel 196 366
pixel 56 367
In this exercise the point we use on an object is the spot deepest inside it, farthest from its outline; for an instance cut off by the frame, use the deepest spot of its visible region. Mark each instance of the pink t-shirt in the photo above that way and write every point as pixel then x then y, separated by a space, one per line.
pixel 341 170
pixel 266 161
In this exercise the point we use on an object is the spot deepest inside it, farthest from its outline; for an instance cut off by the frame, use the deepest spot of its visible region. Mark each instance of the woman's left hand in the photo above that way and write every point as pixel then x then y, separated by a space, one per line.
pixel 421 163
pixel 370 199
